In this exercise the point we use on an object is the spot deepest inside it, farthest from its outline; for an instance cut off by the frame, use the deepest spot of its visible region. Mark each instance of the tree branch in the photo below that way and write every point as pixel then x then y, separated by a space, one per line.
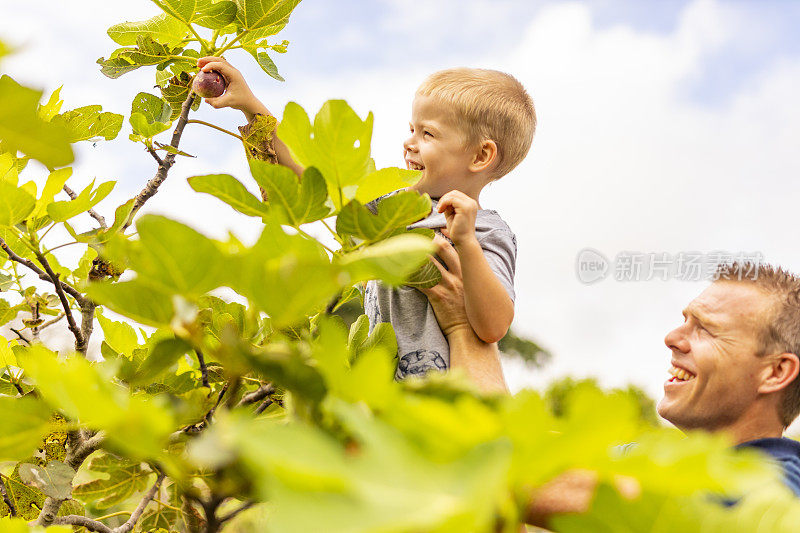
pixel 69 289
pixel 257 395
pixel 94 214
pixel 246 505
pixel 73 327
pixel 82 521
pixel 51 322
pixel 163 168
pixel 11 509
pixel 203 368
pixel 137 513
pixel 21 336
pixel 79 449
pixel 155 156
pixel 87 323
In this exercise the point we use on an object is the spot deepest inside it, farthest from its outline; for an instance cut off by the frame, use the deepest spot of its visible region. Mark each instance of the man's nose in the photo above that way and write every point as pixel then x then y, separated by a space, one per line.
pixel 677 340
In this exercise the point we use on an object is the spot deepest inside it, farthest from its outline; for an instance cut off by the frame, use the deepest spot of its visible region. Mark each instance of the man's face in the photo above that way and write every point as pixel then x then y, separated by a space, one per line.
pixel 715 370
pixel 436 146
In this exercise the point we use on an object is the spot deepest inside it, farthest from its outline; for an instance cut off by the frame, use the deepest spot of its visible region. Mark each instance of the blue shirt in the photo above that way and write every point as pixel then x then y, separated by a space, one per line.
pixel 787 453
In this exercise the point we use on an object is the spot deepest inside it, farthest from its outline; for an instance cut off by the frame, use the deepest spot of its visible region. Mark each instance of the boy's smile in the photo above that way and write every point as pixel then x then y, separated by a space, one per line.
pixel 436 147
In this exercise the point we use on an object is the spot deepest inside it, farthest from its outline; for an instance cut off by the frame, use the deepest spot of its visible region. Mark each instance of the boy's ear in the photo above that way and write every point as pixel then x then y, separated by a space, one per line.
pixel 484 156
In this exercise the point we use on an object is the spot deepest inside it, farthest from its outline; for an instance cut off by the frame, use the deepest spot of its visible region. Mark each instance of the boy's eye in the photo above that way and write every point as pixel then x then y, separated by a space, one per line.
pixel 428 133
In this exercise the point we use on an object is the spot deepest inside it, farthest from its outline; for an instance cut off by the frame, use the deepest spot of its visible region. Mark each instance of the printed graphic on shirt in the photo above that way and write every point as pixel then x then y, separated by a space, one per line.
pixel 420 362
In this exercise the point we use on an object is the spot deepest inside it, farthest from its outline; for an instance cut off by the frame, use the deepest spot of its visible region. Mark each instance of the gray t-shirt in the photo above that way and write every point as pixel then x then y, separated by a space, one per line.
pixel 421 345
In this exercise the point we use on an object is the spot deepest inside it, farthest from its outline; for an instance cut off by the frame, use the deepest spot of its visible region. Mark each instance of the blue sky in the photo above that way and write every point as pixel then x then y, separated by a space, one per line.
pixel 664 126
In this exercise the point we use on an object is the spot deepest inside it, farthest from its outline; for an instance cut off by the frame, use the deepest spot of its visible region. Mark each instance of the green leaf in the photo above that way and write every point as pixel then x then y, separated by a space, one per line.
pixel 294 201
pixel 425 277
pixel 266 64
pixel 394 213
pixel 22 129
pixel 287 276
pixel 163 355
pixel 177 91
pixel 391 260
pixel 15 204
pixel 161 28
pixel 53 105
pixel 89 123
pixel 215 15
pixel 26 421
pixel 55 479
pixel 147 53
pixel 257 138
pixel 54 184
pixel 384 181
pixel 150 115
pixel 338 144
pixel 125 479
pixel 134 299
pixel 176 258
pixel 88 198
pixel 120 336
pixel 231 191
pixel 266 15
pixel 85 392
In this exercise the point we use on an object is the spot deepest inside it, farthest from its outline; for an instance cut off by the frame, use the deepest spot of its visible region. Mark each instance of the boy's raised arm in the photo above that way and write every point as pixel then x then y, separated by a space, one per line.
pixel 489 308
pixel 239 96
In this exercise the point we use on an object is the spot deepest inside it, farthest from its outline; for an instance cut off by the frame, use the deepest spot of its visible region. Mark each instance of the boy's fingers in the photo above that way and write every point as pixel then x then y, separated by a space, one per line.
pixel 201 62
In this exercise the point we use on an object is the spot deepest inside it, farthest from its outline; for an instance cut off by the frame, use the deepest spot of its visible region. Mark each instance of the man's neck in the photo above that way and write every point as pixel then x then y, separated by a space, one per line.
pixel 755 425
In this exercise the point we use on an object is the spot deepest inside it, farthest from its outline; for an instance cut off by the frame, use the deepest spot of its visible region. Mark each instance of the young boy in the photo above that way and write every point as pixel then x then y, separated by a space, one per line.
pixel 468 127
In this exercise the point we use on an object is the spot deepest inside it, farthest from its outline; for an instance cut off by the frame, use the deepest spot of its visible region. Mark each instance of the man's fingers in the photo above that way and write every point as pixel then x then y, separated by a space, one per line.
pixel 449 256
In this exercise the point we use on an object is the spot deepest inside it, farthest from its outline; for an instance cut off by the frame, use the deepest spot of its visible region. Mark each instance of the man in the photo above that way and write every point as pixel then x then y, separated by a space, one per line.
pixel 734 368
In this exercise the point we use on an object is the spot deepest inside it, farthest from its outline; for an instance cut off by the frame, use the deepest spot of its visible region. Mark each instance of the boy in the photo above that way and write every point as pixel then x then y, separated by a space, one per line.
pixel 469 127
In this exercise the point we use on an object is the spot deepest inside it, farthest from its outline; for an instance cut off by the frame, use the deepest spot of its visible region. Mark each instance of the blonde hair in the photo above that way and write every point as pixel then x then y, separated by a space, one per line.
pixel 781 329
pixel 487 105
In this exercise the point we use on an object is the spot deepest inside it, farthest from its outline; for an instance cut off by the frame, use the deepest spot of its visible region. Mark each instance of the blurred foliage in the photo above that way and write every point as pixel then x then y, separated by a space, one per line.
pixel 558 392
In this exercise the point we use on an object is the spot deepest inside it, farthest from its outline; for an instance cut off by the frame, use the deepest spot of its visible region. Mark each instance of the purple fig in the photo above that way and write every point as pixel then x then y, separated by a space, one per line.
pixel 209 84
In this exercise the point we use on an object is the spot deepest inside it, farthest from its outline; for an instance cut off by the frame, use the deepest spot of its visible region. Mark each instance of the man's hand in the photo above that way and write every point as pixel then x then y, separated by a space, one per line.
pixel 447 298
pixel 460 211
pixel 238 94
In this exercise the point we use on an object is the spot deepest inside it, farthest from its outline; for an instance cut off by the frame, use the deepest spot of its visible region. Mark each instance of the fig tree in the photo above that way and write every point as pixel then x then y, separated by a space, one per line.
pixel 209 84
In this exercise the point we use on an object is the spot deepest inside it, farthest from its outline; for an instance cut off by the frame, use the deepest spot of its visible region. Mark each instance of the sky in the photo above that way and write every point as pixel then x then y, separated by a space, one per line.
pixel 665 127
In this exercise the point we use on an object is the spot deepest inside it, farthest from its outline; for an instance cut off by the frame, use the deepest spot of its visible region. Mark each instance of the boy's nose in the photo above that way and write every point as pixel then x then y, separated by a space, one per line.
pixel 408 145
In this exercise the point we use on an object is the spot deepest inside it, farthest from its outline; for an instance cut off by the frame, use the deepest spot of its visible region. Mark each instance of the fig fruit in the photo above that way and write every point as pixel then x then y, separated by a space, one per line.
pixel 209 84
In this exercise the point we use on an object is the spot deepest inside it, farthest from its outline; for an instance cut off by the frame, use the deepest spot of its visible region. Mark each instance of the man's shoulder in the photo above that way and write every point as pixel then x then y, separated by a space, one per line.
pixel 786 452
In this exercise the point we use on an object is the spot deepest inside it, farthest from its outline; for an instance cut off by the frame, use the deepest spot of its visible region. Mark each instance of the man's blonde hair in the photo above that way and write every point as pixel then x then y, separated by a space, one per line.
pixel 487 105
pixel 780 332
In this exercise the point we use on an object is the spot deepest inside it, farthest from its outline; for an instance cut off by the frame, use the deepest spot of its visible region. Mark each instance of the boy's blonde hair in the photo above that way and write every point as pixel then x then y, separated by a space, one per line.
pixel 487 104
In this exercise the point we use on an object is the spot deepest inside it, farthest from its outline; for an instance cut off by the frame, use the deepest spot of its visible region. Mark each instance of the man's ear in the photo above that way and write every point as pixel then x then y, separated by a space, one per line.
pixel 484 156
pixel 782 371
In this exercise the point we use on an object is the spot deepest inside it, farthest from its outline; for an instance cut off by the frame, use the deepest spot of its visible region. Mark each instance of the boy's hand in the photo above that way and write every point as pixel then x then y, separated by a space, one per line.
pixel 238 94
pixel 460 211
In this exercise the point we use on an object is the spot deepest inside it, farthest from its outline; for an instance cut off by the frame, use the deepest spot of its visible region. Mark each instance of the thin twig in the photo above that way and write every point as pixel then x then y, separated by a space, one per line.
pixel 203 368
pixel 21 337
pixel 246 505
pixel 155 156
pixel 137 513
pixel 69 289
pixel 223 130
pixel 51 322
pixel 73 327
pixel 94 214
pixel 261 408
pixel 11 508
pixel 163 168
pixel 257 395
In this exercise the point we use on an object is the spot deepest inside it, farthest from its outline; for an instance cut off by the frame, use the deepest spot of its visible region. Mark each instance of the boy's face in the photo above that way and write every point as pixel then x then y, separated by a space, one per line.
pixel 436 147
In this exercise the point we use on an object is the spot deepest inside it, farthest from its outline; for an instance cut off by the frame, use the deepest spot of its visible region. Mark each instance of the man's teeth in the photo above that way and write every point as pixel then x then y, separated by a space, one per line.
pixel 681 374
